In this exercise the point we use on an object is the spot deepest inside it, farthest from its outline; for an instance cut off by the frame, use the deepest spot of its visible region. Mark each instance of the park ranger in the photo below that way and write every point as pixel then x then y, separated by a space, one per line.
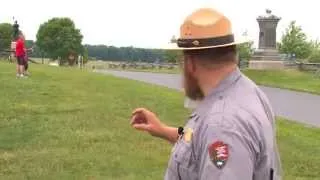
pixel 231 133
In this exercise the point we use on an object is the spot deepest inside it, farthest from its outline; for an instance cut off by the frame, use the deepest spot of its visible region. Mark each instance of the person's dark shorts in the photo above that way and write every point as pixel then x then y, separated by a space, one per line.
pixel 20 60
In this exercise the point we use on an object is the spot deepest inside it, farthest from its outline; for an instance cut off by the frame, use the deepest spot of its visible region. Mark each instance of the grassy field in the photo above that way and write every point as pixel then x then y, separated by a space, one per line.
pixel 287 79
pixel 67 124
pixel 39 60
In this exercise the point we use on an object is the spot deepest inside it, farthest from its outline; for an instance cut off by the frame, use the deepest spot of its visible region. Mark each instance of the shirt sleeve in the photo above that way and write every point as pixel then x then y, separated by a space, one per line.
pixel 225 154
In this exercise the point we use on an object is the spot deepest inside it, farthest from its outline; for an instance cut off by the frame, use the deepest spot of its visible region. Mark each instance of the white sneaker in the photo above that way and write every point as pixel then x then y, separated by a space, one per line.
pixel 23 76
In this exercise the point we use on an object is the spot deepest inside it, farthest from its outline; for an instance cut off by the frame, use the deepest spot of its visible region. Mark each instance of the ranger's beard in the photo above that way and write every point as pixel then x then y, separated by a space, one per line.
pixel 191 87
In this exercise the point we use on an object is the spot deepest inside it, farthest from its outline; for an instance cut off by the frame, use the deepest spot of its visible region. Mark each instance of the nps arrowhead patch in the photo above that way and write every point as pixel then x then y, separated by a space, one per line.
pixel 219 154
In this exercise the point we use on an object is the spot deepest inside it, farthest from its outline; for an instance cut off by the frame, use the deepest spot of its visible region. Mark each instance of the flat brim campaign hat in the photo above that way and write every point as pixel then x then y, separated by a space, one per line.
pixel 205 28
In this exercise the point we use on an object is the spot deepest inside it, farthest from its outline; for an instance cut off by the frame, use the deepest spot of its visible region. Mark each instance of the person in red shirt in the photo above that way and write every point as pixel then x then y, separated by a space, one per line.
pixel 20 54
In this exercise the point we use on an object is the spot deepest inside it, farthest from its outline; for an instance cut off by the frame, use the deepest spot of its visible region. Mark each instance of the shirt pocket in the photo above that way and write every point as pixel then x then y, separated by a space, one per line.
pixel 185 161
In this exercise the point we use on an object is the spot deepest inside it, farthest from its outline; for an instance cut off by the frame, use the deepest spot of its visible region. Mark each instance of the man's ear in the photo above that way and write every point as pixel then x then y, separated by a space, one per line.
pixel 191 64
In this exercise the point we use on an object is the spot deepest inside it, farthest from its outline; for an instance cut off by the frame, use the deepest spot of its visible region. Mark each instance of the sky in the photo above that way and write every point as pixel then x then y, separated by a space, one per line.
pixel 151 23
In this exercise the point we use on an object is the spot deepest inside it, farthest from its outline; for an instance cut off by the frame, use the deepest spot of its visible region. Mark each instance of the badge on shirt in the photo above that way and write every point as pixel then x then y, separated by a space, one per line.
pixel 219 153
pixel 188 135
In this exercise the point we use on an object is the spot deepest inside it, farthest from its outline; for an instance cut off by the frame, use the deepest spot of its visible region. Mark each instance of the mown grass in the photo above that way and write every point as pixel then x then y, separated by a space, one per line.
pixel 286 79
pixel 64 123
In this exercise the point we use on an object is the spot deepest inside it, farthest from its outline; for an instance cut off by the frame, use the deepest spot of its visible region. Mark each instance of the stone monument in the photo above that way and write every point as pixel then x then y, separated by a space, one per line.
pixel 267 56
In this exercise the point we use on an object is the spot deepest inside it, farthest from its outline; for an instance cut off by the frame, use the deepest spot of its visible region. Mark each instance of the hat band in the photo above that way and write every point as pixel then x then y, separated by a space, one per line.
pixel 205 42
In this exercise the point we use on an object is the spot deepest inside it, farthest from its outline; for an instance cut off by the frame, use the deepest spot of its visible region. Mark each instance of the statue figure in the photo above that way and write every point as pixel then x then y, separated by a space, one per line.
pixel 15 30
pixel 268 11
pixel 173 39
pixel 268 15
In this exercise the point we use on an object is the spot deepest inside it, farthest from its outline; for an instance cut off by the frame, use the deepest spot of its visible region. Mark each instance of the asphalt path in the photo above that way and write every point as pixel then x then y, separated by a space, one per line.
pixel 296 106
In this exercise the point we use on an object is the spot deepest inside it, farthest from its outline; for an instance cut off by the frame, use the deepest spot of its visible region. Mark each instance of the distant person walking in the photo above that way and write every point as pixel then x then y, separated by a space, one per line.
pixel 20 54
pixel 26 60
pixel 26 65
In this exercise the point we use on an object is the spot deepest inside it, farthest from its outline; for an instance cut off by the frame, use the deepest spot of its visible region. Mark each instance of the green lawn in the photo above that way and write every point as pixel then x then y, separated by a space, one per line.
pixel 67 124
pixel 39 60
pixel 287 79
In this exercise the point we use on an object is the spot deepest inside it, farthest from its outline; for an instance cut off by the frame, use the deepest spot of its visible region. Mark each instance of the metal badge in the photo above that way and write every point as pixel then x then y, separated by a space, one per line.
pixel 188 135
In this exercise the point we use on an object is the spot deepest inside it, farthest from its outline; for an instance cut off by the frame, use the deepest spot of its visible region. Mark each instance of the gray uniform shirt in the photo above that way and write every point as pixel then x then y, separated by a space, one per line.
pixel 229 136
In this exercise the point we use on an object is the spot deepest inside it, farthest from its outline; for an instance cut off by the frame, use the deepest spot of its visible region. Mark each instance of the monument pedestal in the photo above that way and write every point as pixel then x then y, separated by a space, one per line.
pixel 266 65
pixel 266 59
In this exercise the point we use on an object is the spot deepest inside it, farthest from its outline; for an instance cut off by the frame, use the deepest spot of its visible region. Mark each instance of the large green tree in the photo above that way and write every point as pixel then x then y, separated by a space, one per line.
pixel 85 54
pixel 294 41
pixel 173 56
pixel 103 52
pixel 59 37
pixel 315 54
pixel 6 31
pixel 245 50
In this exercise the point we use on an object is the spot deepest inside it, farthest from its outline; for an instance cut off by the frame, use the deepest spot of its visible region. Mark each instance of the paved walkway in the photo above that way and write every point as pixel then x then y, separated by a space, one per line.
pixel 297 106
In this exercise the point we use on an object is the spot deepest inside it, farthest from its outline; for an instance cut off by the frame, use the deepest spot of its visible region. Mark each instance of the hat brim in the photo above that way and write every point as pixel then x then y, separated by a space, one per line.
pixel 174 46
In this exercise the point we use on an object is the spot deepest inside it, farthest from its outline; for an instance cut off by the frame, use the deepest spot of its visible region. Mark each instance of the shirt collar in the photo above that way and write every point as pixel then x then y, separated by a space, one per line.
pixel 219 91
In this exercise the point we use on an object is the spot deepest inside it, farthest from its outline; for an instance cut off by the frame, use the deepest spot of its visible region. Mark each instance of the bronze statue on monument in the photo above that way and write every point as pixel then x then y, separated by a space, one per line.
pixel 15 35
pixel 15 30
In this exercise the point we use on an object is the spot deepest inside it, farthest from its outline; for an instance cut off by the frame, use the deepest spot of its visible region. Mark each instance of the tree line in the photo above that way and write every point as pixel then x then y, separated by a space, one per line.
pixel 132 54
pixel 103 52
pixel 295 42
pixel 6 32
pixel 58 38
